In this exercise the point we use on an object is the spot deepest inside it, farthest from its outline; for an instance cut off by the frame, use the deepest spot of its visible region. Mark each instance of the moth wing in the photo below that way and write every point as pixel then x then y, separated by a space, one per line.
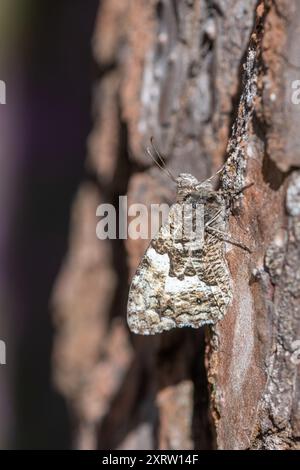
pixel 147 290
pixel 159 301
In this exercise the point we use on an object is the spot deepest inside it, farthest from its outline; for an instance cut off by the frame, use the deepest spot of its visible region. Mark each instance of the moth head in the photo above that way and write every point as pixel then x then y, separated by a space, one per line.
pixel 189 185
pixel 185 181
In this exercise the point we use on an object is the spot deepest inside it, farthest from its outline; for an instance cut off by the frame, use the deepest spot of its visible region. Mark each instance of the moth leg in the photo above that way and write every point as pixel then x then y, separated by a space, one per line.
pixel 229 239
pixel 213 218
pixel 237 191
pixel 243 188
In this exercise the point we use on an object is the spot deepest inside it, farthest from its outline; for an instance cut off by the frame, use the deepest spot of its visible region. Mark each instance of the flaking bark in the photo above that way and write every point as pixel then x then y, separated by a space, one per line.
pixel 210 80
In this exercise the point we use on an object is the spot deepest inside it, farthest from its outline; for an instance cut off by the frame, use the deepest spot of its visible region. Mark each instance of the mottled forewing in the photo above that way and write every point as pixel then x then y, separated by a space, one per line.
pixel 176 287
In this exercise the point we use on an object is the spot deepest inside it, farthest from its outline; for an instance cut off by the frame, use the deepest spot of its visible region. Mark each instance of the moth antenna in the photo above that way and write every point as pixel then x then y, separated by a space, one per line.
pixel 162 162
pixel 164 169
pixel 148 151
pixel 213 176
pixel 156 151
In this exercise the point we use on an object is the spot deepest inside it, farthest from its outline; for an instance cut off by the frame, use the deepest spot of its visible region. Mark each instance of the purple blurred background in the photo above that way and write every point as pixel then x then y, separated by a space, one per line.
pixel 46 62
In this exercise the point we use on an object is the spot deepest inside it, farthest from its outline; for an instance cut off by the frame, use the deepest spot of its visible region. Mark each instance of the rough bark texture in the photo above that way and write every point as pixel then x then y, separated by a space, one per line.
pixel 201 77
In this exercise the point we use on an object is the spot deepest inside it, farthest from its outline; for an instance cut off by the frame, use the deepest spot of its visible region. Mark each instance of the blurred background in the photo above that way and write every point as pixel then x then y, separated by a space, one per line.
pixel 74 376
pixel 87 85
pixel 46 63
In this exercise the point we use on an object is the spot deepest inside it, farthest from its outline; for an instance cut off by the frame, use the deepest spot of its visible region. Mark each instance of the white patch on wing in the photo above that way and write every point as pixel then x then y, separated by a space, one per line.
pixel 188 283
pixel 159 262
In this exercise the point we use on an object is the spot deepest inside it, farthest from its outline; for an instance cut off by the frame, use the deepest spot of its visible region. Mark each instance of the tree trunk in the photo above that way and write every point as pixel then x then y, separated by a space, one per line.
pixel 210 81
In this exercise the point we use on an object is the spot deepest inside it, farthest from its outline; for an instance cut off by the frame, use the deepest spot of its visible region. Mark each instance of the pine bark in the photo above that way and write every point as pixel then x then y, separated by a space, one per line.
pixel 210 81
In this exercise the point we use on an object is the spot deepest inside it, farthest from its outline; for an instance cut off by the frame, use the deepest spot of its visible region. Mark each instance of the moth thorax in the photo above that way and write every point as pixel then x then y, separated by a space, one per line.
pixel 186 184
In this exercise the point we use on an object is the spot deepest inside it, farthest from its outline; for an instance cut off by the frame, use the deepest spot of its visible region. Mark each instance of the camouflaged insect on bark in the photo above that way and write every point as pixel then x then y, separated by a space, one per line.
pixel 175 285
